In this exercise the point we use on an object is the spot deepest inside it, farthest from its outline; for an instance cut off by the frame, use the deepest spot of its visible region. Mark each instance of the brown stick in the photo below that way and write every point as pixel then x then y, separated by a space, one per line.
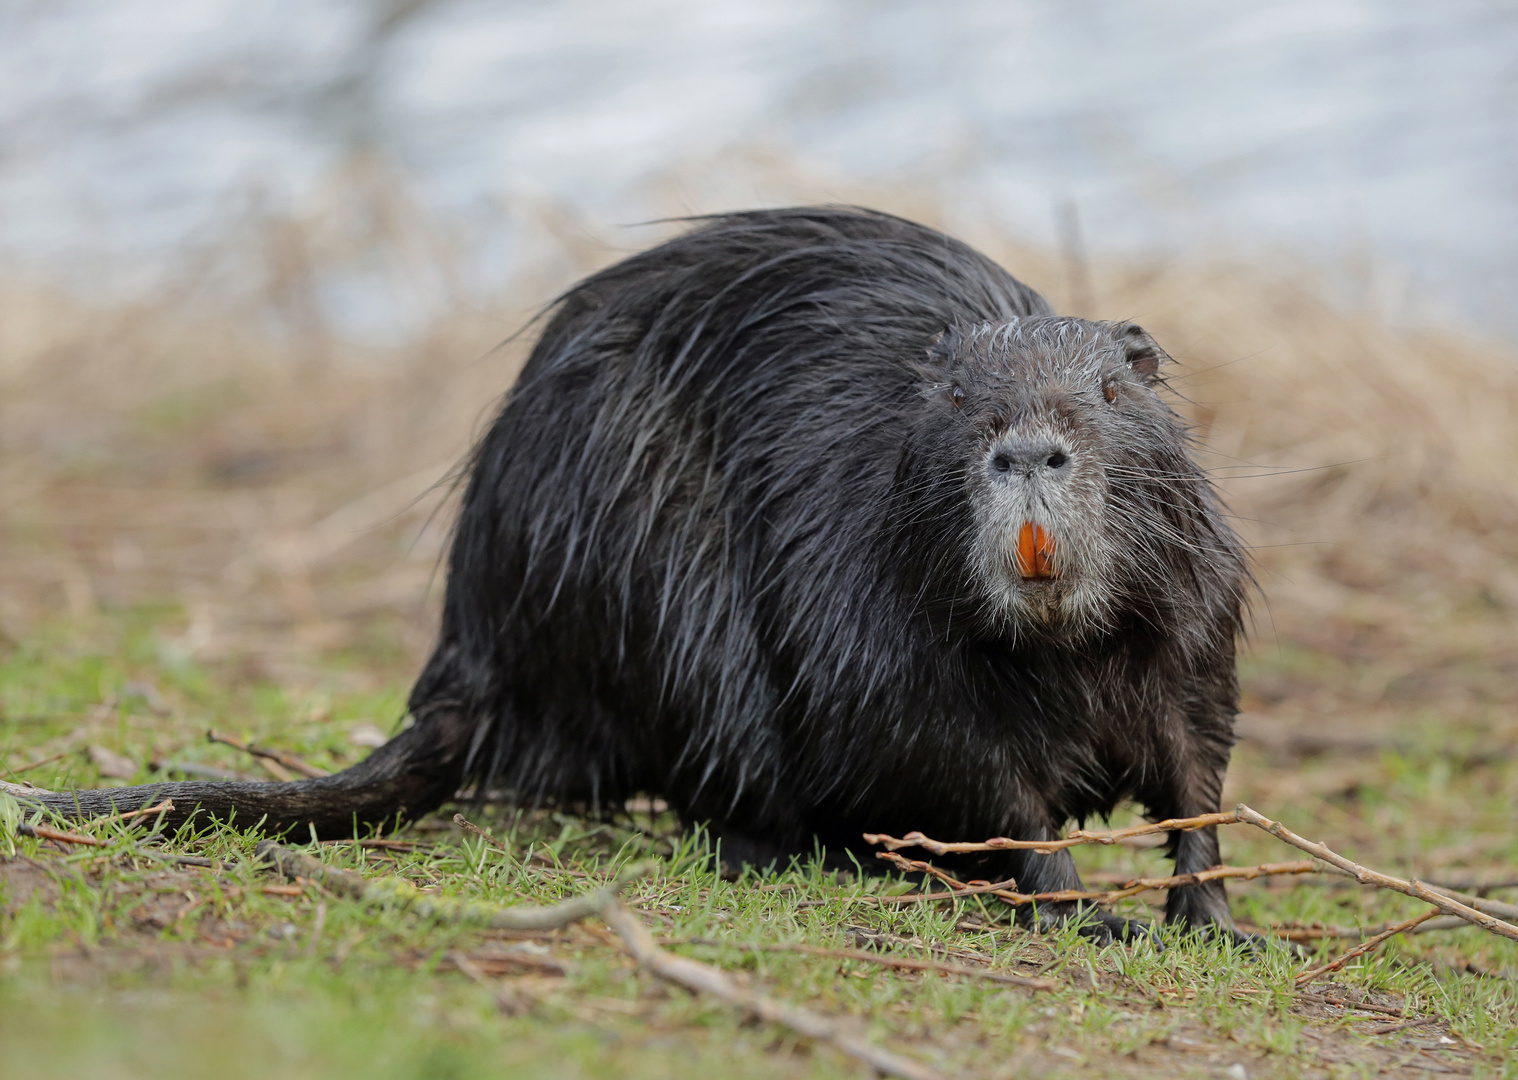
pixel 1363 1006
pixel 691 974
pixel 44 832
pixel 885 960
pixel 470 827
pixel 1468 907
pixel 1480 903
pixel 1288 932
pixel 146 811
pixel 1130 888
pixel 1045 847
pixel 1137 885
pixel 1364 947
pixel 39 763
pixel 377 843
pixel 280 758
pixel 393 890
pixel 994 888
pixel 1366 876
pixel 703 978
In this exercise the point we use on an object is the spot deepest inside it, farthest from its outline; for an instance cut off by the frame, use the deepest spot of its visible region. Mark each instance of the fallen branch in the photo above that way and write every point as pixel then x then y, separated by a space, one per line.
pixel 470 827
pixel 394 891
pixel 996 888
pixel 1480 903
pixel 1474 909
pixel 38 763
pixel 375 843
pixel 603 903
pixel 45 832
pixel 903 963
pixel 703 978
pixel 1301 934
pixel 1360 950
pixel 1500 879
pixel 1362 1006
pixel 146 811
pixel 1132 887
pixel 284 762
pixel 1366 876
pixel 1490 915
pixel 1046 847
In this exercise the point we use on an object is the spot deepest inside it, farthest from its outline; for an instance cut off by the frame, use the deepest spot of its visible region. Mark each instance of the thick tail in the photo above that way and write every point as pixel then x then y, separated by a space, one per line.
pixel 413 773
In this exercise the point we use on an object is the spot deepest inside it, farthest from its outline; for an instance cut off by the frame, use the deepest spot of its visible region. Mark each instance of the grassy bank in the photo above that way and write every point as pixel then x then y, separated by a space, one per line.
pixel 116 963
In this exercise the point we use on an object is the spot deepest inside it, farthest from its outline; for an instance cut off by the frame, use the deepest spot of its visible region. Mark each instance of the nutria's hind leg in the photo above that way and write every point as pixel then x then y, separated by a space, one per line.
pixel 1203 908
pixel 737 850
pixel 1056 873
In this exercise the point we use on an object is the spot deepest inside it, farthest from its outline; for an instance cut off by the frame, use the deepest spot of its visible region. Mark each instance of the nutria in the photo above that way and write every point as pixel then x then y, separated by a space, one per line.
pixel 817 522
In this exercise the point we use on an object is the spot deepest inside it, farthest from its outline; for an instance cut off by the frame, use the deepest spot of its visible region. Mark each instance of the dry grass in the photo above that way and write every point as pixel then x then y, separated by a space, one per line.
pixel 239 462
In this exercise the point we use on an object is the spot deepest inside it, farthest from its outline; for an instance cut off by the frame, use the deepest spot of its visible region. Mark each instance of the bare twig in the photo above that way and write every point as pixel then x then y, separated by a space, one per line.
pixel 639 943
pixel 470 827
pixel 1480 903
pixel 1474 909
pixel 38 763
pixel 44 832
pixel 392 890
pixel 1363 1006
pixel 694 975
pixel 285 764
pixel 146 811
pixel 530 961
pixel 377 843
pixel 1044 847
pixel 1500 879
pixel 1130 888
pixel 178 860
pixel 996 888
pixel 1387 1029
pixel 903 963
pixel 1299 933
pixel 518 997
pixel 1367 876
pixel 1364 947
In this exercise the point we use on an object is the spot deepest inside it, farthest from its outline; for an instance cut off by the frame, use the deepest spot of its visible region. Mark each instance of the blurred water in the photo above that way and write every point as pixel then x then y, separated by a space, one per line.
pixel 1375 141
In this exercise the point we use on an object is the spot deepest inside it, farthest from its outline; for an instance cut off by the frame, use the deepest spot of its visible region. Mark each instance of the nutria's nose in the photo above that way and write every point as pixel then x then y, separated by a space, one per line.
pixel 1024 457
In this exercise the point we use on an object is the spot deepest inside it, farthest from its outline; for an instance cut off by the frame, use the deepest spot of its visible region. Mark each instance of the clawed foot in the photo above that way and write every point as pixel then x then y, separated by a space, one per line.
pixel 1253 944
pixel 1099 926
pixel 1104 928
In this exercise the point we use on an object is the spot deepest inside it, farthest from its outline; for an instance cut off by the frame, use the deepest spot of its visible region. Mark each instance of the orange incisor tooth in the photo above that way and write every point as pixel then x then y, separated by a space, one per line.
pixel 1035 551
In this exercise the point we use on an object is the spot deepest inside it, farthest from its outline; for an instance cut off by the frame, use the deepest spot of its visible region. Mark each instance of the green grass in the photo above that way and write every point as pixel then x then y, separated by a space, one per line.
pixel 114 964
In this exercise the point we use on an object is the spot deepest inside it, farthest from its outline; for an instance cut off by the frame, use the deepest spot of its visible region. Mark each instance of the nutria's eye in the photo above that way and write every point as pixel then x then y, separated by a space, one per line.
pixel 957 396
pixel 1110 392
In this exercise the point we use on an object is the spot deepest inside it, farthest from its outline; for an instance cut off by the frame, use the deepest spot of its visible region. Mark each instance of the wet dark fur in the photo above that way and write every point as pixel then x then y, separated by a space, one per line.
pixel 733 540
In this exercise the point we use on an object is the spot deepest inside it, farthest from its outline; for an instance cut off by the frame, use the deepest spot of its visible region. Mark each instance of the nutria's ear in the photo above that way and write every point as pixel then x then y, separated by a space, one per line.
pixel 944 347
pixel 935 364
pixel 1143 354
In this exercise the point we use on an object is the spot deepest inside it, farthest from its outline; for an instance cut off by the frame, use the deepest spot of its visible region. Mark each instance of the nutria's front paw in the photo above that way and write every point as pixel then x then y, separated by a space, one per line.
pixel 1222 929
pixel 1101 927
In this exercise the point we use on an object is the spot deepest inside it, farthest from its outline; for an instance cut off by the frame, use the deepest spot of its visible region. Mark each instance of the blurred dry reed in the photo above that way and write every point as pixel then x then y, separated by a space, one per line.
pixel 286 486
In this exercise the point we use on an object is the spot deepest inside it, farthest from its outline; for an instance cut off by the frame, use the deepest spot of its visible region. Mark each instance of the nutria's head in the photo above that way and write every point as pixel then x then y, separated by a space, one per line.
pixel 1078 502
